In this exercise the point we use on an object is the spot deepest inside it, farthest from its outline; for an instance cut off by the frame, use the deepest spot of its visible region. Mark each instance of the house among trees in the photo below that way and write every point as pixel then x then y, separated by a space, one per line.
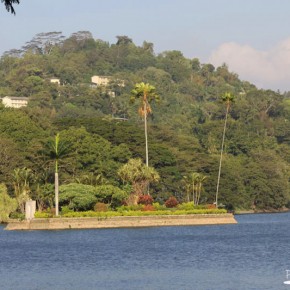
pixel 104 81
pixel 55 81
pixel 14 102
pixel 101 80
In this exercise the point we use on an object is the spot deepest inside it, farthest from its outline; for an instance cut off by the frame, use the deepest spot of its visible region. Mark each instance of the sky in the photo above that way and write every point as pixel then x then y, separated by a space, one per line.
pixel 251 36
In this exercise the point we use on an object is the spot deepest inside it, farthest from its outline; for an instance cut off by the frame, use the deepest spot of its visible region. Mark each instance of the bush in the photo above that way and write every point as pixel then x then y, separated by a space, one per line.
pixel 171 202
pixel 141 212
pixel 145 199
pixel 186 206
pixel 210 206
pixel 148 207
pixel 17 215
pixel 100 207
pixel 65 209
pixel 158 206
pixel 125 208
pixel 42 214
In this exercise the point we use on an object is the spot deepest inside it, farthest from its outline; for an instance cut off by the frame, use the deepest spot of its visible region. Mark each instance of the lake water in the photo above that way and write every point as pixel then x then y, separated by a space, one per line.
pixel 254 254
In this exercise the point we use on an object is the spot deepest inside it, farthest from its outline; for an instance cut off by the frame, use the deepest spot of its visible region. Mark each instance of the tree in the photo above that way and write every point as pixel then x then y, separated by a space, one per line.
pixel 146 93
pixel 7 204
pixel 78 196
pixel 138 175
pixel 57 150
pixel 9 5
pixel 200 180
pixel 10 158
pixel 227 98
pixel 111 195
pixel 123 40
pixel 44 42
pixel 22 178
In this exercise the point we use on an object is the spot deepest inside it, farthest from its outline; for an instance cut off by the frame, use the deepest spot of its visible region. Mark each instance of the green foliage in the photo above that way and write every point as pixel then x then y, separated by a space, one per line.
pixel 138 174
pixel 42 215
pixel 111 195
pixel 186 206
pixel 7 204
pixel 65 209
pixel 158 206
pixel 109 214
pixel 77 196
pixel 17 215
pixel 104 132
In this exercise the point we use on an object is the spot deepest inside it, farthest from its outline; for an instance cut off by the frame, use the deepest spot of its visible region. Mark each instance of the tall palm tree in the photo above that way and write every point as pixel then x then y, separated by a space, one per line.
pixel 227 98
pixel 146 93
pixel 57 150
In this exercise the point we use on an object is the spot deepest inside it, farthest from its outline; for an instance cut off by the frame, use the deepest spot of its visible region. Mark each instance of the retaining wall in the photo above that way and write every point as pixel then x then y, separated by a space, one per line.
pixel 121 222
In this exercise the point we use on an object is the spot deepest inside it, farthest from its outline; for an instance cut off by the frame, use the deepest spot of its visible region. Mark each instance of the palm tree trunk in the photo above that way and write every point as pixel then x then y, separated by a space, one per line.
pixel 146 134
pixel 221 156
pixel 193 195
pixel 56 190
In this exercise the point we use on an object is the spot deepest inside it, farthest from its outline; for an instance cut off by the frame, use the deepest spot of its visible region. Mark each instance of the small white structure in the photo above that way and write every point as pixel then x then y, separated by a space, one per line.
pixel 30 207
pixel 101 80
pixel 55 81
pixel 15 102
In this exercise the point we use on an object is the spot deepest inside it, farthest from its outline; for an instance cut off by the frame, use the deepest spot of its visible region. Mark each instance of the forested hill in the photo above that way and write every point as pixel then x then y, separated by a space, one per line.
pixel 104 130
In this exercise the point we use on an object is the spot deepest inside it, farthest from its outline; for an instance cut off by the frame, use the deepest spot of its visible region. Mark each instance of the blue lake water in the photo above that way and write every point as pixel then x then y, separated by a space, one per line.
pixel 254 254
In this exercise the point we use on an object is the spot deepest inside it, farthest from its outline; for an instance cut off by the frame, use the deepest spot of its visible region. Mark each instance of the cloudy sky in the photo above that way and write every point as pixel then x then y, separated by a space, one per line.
pixel 251 36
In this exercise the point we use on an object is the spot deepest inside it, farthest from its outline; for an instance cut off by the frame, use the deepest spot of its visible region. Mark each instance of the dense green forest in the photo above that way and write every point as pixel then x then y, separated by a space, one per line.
pixel 101 131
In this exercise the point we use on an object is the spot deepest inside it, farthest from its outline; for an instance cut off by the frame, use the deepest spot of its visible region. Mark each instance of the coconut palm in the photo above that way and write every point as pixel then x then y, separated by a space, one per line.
pixel 227 98
pixel 57 150
pixel 146 93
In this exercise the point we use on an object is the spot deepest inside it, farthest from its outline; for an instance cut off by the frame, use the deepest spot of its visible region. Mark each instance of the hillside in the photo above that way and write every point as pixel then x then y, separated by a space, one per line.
pixel 104 130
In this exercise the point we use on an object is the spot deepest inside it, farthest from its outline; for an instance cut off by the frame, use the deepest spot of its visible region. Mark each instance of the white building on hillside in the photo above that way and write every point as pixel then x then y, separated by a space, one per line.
pixel 101 80
pixel 15 102
pixel 55 81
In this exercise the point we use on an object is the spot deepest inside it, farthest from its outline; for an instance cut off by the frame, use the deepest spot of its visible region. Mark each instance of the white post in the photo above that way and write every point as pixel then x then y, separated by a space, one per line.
pixel 30 207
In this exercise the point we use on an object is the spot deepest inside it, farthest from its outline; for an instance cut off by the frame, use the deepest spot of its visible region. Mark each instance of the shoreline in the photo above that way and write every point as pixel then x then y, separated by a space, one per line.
pixel 240 212
pixel 120 222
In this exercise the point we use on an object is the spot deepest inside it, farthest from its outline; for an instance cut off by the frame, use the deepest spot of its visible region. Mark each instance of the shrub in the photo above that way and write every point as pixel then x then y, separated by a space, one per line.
pixel 158 206
pixel 186 206
pixel 171 202
pixel 210 206
pixel 100 207
pixel 126 208
pixel 148 207
pixel 65 209
pixel 145 199
pixel 41 214
pixel 17 215
pixel 103 215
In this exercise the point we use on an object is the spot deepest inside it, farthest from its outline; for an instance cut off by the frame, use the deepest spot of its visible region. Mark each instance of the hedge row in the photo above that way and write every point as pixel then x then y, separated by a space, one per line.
pixel 133 213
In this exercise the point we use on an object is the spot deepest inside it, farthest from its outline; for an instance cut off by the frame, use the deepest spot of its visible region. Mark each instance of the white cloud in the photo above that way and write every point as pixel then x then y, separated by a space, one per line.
pixel 265 69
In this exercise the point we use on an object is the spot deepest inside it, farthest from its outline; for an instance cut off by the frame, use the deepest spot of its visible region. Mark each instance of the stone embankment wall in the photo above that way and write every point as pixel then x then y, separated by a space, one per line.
pixel 120 222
